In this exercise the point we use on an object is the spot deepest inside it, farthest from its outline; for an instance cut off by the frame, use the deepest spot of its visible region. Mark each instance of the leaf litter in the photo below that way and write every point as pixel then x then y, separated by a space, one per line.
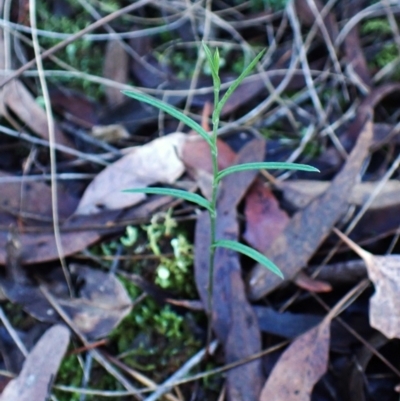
pixel 346 84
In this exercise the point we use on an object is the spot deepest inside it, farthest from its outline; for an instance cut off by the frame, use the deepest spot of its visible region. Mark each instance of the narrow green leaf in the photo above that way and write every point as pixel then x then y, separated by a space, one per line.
pixel 209 56
pixel 174 112
pixel 238 81
pixel 266 166
pixel 214 67
pixel 177 193
pixel 250 252
pixel 216 60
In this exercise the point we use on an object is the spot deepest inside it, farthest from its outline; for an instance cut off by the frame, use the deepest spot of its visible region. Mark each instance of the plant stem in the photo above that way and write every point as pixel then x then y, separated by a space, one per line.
pixel 213 213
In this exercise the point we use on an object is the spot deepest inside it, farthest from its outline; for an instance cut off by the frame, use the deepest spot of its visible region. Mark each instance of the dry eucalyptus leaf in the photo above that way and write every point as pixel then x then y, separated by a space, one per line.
pixel 103 302
pixel 40 367
pixel 158 161
pixel 300 366
pixel 100 304
pixel 301 192
pixel 384 272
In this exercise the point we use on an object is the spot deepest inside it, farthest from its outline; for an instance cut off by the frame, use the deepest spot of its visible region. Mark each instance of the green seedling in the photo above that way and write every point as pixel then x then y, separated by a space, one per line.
pixel 211 139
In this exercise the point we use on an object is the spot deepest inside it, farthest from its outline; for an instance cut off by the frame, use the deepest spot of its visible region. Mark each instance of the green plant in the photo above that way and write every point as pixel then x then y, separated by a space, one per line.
pixel 211 206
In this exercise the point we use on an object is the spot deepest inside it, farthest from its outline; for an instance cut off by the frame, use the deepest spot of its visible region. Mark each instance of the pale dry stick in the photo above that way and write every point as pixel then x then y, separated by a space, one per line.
pixel 375 10
pixel 86 374
pixel 199 61
pixel 359 337
pixel 388 69
pixel 331 49
pixel 168 92
pixel 179 382
pixel 348 299
pixel 183 371
pixel 392 23
pixel 299 150
pixel 96 354
pixel 13 334
pixel 254 114
pixel 261 68
pixel 140 377
pixel 354 222
pixel 309 81
pixel 218 21
pixel 114 36
pixel 52 151
pixel 100 37
pixel 64 43
pixel 256 21
pixel 250 117
pixel 395 165
pixel 47 177
pixel 6 36
pixel 61 148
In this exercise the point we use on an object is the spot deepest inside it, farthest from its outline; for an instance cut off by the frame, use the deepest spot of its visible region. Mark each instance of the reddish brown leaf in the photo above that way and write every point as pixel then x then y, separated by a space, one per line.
pixel 265 220
pixel 310 284
pixel 197 159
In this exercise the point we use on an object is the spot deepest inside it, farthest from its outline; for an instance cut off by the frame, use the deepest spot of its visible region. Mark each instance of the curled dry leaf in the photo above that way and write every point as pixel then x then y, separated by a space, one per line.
pixel 384 272
pixel 102 301
pixel 157 161
pixel 40 367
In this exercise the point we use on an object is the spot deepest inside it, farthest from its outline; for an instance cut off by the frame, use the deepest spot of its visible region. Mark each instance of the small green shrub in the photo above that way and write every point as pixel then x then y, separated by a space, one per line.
pixel 213 60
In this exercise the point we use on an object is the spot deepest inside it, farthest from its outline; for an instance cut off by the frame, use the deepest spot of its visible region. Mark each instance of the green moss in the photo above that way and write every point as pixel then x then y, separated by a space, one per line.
pixel 376 26
pixel 82 55
pixel 388 53
pixel 70 374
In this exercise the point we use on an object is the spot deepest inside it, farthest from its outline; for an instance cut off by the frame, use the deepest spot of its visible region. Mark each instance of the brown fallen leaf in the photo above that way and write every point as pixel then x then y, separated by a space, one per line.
pixel 265 220
pixel 384 272
pixel 32 200
pixel 20 101
pixel 302 236
pixel 234 321
pixel 157 161
pixel 305 361
pixel 101 303
pixel 40 368
pixel 300 366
